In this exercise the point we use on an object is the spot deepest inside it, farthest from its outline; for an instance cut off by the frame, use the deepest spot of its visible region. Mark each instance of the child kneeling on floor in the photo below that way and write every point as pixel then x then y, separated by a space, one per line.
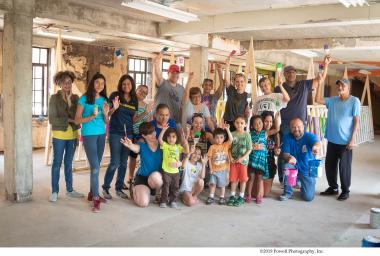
pixel 194 169
pixel 219 164
pixel 171 149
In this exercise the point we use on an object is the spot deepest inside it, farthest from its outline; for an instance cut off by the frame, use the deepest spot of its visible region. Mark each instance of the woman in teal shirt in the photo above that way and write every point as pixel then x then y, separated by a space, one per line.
pixel 92 113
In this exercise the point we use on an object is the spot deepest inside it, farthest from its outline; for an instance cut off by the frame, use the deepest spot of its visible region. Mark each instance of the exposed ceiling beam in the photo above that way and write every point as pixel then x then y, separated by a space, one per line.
pixel 356 73
pixel 96 19
pixel 315 43
pixel 300 17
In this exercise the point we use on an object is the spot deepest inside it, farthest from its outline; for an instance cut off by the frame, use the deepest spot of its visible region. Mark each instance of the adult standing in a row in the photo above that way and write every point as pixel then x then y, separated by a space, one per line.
pixel 62 108
pixel 169 91
pixel 92 113
pixel 124 105
pixel 342 125
pixel 297 106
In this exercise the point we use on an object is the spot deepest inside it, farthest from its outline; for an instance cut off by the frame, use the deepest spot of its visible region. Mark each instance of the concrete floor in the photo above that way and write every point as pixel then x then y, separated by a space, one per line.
pixel 325 222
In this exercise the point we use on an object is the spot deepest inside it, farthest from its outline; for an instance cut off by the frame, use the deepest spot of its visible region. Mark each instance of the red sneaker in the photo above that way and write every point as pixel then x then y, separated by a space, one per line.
pixel 258 200
pixel 90 196
pixel 248 199
pixel 96 206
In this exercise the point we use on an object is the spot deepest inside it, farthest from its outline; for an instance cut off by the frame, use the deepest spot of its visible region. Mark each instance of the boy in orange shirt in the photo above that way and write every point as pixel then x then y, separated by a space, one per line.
pixel 219 164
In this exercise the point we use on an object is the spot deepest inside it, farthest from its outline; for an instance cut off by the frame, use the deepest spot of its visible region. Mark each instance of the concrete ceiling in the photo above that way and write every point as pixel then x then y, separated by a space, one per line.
pixel 216 7
pixel 367 30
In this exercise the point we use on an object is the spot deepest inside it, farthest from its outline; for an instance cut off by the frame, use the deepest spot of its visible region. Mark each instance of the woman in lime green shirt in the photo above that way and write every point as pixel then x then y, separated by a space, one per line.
pixel 62 108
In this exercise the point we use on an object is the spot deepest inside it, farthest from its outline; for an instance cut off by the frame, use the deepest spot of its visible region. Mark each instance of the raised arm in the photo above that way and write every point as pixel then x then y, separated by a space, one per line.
pixel 321 79
pixel 285 94
pixel 318 96
pixel 219 91
pixel 157 69
pixel 227 73
pixel 128 143
pixel 204 163
pixel 230 137
pixel 160 137
pixel 189 84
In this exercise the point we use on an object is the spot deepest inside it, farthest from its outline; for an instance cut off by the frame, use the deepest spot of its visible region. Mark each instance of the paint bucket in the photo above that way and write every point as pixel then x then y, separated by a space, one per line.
pixel 375 218
pixel 315 168
pixel 291 174
pixel 371 241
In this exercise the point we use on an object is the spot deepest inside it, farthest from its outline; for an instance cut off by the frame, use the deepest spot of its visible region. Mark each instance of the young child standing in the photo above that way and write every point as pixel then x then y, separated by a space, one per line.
pixel 169 140
pixel 258 161
pixel 218 163
pixel 241 148
pixel 194 169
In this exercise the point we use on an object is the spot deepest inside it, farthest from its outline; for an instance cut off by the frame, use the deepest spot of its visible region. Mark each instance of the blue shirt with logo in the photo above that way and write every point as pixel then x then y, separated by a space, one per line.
pixel 171 123
pixel 301 149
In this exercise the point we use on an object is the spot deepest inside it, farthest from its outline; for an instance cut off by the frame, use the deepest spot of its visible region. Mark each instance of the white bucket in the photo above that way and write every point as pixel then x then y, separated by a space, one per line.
pixel 375 218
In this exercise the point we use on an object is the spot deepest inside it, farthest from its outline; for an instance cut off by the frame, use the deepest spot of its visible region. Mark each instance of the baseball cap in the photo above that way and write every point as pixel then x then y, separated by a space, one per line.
pixel 174 69
pixel 343 81
pixel 289 68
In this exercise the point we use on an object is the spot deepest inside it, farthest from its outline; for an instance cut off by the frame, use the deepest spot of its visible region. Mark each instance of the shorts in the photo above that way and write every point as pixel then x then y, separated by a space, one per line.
pixel 143 180
pixel 272 172
pixel 252 170
pixel 238 172
pixel 219 179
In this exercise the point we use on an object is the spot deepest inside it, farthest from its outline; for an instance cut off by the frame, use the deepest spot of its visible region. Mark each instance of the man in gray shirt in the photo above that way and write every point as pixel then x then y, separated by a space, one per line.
pixel 169 91
pixel 297 106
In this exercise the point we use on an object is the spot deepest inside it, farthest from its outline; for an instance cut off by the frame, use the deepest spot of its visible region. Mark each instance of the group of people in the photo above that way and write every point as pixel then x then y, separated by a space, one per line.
pixel 183 149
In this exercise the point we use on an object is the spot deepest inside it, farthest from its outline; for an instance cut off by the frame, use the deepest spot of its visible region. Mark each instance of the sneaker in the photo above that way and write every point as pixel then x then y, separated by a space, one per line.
pixel 258 200
pixel 90 197
pixel 96 206
pixel 106 194
pixel 222 201
pixel 210 200
pixel 163 205
pixel 157 199
pixel 284 197
pixel 173 205
pixel 74 194
pixel 329 192
pixel 53 197
pixel 231 201
pixel 239 201
pixel 343 196
pixel 248 199
pixel 121 194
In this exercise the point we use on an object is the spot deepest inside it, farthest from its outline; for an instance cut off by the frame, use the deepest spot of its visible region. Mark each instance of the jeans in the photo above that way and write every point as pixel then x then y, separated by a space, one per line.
pixel 284 130
pixel 94 147
pixel 307 187
pixel 119 161
pixel 62 150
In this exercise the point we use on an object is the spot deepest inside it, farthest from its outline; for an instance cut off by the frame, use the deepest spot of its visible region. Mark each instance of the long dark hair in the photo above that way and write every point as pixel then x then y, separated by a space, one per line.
pixel 90 93
pixel 132 94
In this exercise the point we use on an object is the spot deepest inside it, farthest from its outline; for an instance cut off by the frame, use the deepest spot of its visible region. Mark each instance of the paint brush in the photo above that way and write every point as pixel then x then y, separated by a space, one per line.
pixel 125 131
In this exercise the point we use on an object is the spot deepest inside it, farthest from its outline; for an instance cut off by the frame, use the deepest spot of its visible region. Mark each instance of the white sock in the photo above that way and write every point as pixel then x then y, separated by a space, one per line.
pixel 211 195
pixel 233 193
pixel 241 194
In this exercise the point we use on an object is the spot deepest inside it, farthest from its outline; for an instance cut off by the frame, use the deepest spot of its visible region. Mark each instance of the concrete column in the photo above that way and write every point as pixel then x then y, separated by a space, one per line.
pixel 199 64
pixel 17 95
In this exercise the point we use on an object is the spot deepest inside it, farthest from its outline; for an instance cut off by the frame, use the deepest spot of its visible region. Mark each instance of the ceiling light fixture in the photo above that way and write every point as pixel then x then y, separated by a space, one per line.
pixel 161 10
pixel 354 3
pixel 63 36
pixel 305 53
